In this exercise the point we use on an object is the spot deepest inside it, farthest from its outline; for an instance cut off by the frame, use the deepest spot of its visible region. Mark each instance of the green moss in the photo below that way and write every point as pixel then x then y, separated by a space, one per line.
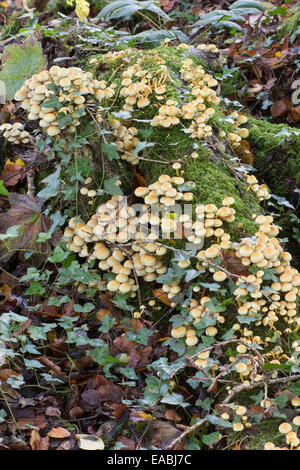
pixel 276 146
pixel 255 438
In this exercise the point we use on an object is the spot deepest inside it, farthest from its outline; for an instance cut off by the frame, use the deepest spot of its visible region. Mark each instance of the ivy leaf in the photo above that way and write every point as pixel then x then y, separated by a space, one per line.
pixel 107 324
pixel 212 438
pixel 218 421
pixel 53 184
pixel 19 63
pixel 211 286
pixel 140 337
pixel 111 188
pixel 174 399
pixel 282 399
pixel 111 151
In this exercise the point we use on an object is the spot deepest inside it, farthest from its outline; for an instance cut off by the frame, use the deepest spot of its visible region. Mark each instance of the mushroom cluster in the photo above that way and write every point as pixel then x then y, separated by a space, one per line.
pixel 198 310
pixel 260 190
pixel 52 96
pixel 167 115
pixel 15 133
pixel 135 93
pixel 266 296
pixel 126 140
pixel 290 432
pixel 113 238
pixel 165 191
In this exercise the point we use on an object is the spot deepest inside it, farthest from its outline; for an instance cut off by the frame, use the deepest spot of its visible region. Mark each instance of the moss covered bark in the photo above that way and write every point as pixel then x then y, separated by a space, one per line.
pixel 277 151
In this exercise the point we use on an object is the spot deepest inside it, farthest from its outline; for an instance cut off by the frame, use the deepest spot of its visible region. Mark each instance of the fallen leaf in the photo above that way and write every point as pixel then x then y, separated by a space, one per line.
pixel 162 296
pixel 127 443
pixel 25 212
pixel 66 445
pixel 162 433
pixel 35 440
pixel 280 107
pixel 6 374
pixel 59 433
pixel 168 5
pixel 173 416
pixel 76 412
pixel 52 411
pixel 90 442
pixel 119 411
pixel 12 174
pixel 91 397
pixel 233 264
pixel 110 393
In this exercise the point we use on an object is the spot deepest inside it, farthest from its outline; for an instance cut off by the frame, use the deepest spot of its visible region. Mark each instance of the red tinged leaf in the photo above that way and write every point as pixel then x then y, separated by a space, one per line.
pixel 173 416
pixel 168 5
pixel 25 212
pixel 6 374
pixel 119 411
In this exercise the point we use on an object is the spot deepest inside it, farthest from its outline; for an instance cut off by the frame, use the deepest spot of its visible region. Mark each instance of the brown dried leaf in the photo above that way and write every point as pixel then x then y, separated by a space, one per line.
pixel 173 416
pixel 128 443
pixel 35 440
pixel 162 296
pixel 6 373
pixel 168 5
pixel 12 174
pixel 52 411
pixel 59 433
pixel 280 107
pixel 162 433
pixel 110 393
pixel 76 412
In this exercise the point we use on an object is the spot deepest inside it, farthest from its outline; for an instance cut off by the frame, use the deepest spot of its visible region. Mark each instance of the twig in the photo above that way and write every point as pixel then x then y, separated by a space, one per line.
pixel 192 428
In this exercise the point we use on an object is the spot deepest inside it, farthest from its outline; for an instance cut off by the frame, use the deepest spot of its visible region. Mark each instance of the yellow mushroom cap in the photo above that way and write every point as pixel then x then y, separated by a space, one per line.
pixel 296 420
pixel 237 427
pixel 113 285
pixel 191 340
pixel 228 201
pixel 241 410
pixel 241 368
pixel 296 401
pixel 211 331
pixel 53 130
pixel 219 276
pixel 285 428
pixel 178 332
pixel 141 191
pixel 269 446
